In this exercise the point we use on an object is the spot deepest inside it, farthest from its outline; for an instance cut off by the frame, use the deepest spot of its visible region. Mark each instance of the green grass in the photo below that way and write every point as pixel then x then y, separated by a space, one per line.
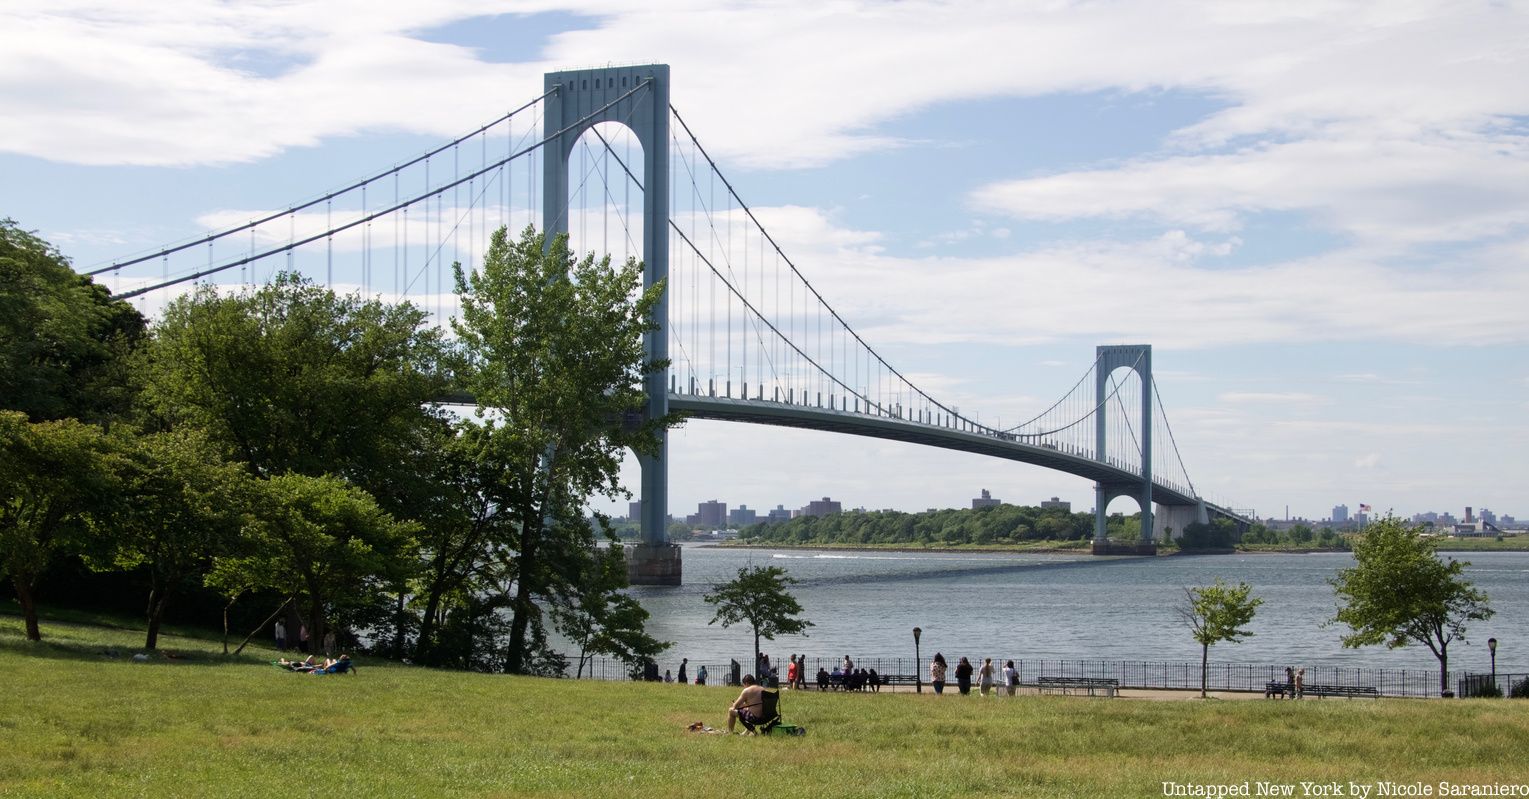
pixel 76 722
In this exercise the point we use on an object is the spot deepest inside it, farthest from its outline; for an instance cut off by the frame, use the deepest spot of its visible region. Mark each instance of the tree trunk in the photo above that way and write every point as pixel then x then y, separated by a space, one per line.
pixel 158 598
pixel 254 632
pixel 398 625
pixel 28 606
pixel 1204 664
pixel 424 643
pixel 316 624
pixel 520 619
pixel 1444 671
pixel 757 660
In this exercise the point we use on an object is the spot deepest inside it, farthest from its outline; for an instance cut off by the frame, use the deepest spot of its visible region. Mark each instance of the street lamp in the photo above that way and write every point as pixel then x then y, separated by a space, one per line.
pixel 918 674
pixel 1492 648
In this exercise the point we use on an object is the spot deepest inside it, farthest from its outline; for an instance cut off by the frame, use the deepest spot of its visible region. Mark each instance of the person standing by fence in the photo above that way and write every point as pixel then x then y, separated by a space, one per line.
pixel 937 673
pixel 683 676
pixel 985 676
pixel 964 677
pixel 1010 678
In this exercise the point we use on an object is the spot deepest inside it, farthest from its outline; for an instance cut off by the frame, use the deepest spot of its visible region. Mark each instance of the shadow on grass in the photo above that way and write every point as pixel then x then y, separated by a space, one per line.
pixel 83 636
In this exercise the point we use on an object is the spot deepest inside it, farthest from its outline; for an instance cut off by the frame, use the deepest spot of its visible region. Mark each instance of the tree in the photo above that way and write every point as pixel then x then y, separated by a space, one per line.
pixel 53 475
pixel 1399 592
pixel 553 355
pixel 291 377
pixel 321 539
pixel 64 343
pixel 180 505
pixel 1216 613
pixel 604 621
pixel 758 596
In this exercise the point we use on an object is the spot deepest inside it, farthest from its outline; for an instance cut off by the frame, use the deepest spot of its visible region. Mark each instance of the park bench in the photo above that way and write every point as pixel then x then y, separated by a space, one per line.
pixel 901 679
pixel 1278 690
pixel 1094 686
pixel 1349 691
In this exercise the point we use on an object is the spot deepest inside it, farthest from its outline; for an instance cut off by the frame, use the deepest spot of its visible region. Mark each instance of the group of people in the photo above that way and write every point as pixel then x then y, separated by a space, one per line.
pixel 301 642
pixel 311 665
pixel 684 676
pixel 987 678
pixel 852 680
pixel 1294 687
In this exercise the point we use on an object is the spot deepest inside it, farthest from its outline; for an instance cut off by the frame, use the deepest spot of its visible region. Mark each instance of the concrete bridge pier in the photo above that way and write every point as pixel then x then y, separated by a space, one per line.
pixel 1170 520
pixel 1146 545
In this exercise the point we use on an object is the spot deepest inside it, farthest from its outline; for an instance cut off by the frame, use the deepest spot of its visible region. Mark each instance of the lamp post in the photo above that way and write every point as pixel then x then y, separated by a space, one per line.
pixel 918 674
pixel 1492 648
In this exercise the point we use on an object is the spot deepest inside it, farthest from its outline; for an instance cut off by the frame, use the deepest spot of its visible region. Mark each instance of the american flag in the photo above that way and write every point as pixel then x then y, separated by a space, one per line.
pixel 1363 508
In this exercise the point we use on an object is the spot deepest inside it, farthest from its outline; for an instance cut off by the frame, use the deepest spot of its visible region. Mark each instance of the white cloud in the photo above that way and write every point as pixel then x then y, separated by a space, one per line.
pixel 1276 397
pixel 1368 461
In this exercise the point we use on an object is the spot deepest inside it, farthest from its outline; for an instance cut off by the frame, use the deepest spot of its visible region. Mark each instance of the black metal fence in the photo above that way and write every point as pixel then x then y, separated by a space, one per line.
pixel 1490 685
pixel 1130 673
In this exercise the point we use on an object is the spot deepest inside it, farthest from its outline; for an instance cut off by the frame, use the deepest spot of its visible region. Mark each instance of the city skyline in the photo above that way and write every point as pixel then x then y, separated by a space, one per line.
pixel 1316 214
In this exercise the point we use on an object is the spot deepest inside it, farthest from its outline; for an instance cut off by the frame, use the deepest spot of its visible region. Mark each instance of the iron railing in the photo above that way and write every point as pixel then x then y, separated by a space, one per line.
pixel 1139 674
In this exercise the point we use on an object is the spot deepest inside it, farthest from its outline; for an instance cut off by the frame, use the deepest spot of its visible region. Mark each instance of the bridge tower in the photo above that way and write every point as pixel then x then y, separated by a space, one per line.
pixel 575 95
pixel 1137 357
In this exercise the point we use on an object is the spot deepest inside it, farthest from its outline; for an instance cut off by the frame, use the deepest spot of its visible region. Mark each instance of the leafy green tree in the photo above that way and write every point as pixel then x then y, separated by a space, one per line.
pixel 1399 592
pixel 553 355
pixel 602 620
pixel 64 343
pixel 178 507
pixel 322 539
pixel 291 377
pixel 53 476
pixel 1216 613
pixel 464 526
pixel 758 597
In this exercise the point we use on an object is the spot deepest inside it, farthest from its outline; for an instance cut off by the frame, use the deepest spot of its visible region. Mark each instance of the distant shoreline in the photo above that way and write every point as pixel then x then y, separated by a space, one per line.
pixel 1519 546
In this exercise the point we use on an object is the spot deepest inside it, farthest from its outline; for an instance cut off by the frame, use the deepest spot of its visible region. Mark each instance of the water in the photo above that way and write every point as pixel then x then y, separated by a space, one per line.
pixel 865 604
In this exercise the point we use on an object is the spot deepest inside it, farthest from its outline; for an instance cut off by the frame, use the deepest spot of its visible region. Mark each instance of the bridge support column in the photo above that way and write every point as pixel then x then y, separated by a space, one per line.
pixel 1170 520
pixel 641 102
pixel 1102 544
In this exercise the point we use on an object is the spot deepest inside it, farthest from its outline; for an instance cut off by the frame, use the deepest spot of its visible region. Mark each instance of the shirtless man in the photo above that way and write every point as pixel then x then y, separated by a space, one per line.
pixel 748 705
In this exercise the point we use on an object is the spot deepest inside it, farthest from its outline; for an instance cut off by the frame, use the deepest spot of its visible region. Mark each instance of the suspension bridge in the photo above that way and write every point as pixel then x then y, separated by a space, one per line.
pixel 603 157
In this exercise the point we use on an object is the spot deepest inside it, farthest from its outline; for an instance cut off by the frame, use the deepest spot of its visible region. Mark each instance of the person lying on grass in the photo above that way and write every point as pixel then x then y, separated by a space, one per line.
pixel 339 666
pixel 306 664
pixel 748 705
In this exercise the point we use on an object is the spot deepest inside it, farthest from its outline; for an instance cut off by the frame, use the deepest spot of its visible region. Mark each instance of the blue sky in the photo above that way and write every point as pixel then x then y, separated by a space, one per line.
pixel 1317 213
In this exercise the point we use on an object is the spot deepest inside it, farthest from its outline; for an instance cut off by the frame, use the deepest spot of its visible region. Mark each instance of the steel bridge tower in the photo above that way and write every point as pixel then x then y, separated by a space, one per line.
pixel 574 97
pixel 1138 358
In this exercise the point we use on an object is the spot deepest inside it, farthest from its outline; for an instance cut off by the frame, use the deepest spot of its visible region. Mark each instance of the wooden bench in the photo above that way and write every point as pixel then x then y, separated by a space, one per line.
pixel 1276 690
pixel 1349 691
pixel 900 679
pixel 1094 686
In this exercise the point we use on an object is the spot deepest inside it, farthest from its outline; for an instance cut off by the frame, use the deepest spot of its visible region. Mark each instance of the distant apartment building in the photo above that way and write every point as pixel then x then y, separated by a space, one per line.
pixel 821 507
pixel 634 511
pixel 1056 504
pixel 742 516
pixel 985 501
pixel 709 514
pixel 1488 516
pixel 779 514
pixel 1340 514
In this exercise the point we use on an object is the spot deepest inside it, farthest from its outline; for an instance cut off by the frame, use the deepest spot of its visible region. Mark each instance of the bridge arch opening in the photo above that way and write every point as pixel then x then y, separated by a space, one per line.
pixel 606 203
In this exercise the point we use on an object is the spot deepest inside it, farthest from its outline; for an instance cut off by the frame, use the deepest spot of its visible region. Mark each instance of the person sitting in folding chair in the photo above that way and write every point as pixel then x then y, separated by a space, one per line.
pixel 755 707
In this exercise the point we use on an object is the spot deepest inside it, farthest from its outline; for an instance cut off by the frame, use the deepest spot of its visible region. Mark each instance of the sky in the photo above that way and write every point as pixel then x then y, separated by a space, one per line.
pixel 1316 213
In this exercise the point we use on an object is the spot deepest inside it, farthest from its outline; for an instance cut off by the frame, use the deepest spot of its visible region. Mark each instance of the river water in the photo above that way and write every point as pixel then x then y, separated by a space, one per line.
pixel 865 604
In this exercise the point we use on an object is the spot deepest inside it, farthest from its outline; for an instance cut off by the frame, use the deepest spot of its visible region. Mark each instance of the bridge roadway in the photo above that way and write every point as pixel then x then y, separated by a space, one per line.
pixel 838 421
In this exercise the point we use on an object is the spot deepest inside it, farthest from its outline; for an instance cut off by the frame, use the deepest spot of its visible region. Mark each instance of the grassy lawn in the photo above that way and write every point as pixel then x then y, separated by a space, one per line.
pixel 78 717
